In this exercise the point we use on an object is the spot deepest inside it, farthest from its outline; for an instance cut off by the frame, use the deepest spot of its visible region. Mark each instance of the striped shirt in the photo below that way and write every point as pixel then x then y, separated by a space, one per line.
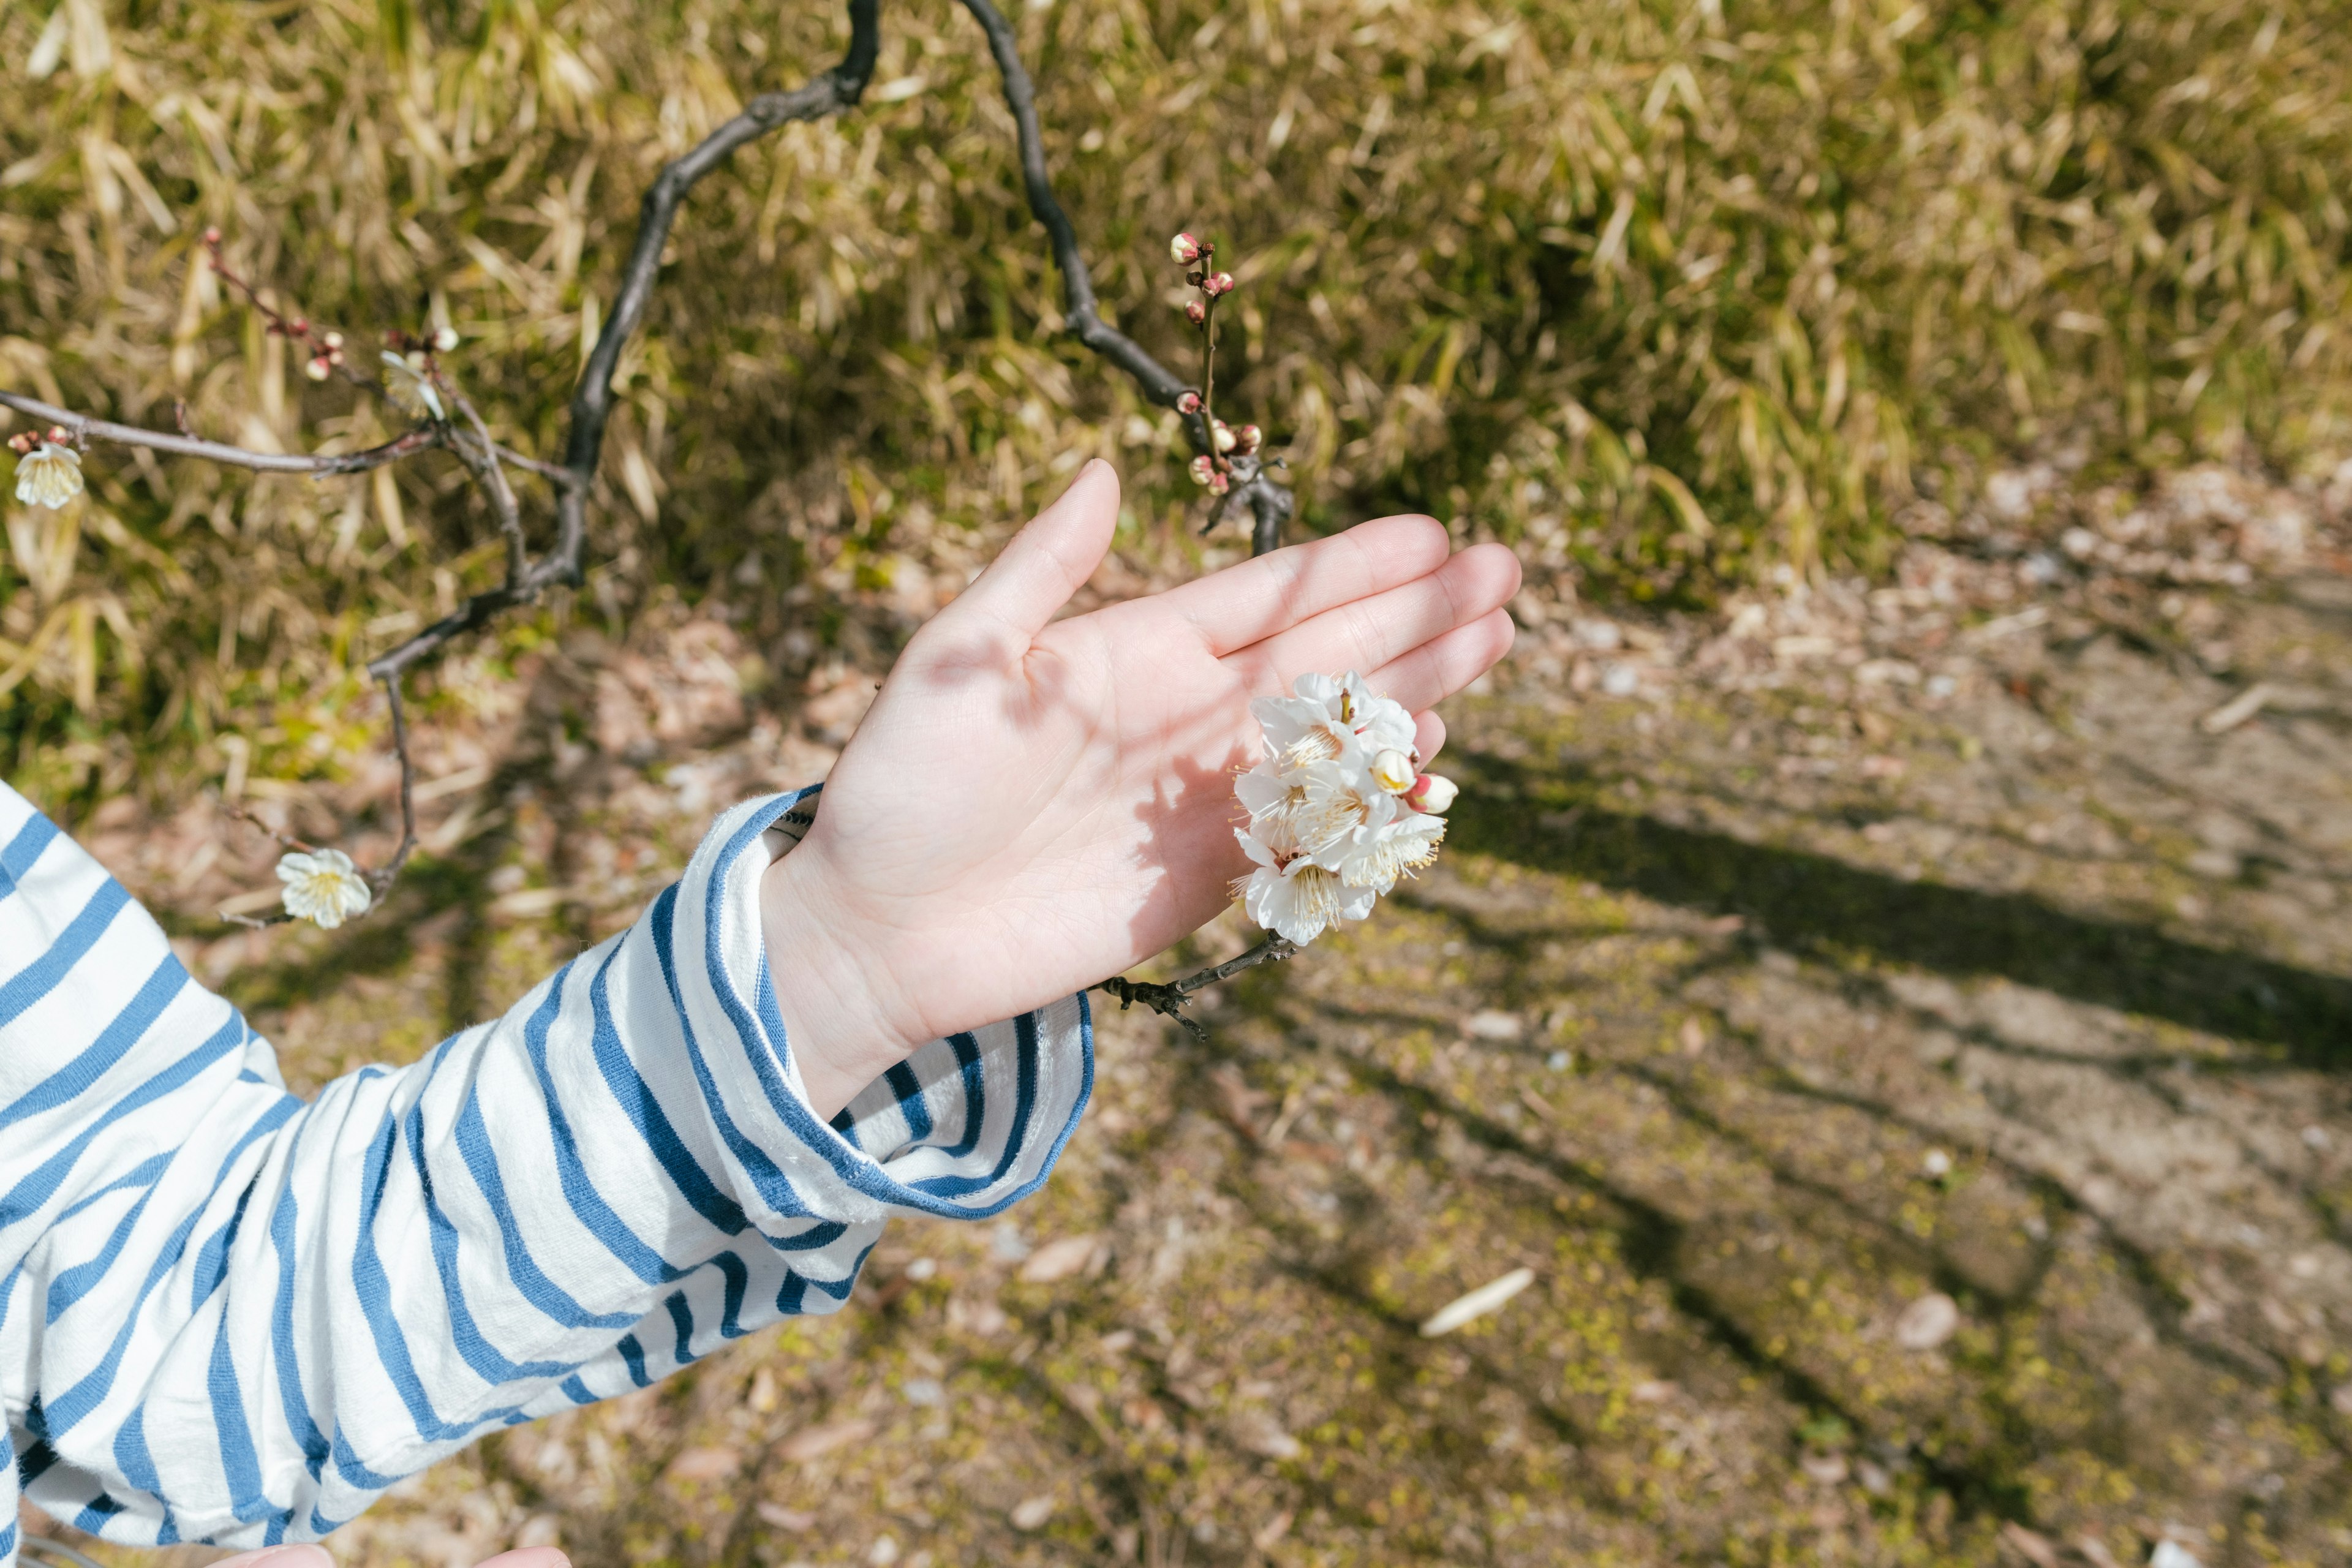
pixel 229 1315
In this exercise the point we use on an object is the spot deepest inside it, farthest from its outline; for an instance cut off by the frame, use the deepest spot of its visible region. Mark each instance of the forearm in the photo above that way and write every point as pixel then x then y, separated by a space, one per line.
pixel 306 1303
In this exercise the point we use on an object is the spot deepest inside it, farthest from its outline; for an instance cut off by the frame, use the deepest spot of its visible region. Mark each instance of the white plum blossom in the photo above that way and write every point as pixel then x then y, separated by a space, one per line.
pixel 323 887
pixel 411 388
pixel 1394 771
pixel 49 475
pixel 1295 898
pixel 1331 827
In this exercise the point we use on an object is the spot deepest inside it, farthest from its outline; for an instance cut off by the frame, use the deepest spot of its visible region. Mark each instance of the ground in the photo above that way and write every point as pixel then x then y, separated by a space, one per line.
pixel 1904 1027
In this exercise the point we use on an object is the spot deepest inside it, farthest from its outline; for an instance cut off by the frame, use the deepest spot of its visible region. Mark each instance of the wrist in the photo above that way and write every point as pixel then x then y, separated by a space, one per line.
pixel 842 1019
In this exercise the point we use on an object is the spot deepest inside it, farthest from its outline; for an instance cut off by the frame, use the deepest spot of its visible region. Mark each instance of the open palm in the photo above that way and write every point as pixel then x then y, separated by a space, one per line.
pixel 1032 805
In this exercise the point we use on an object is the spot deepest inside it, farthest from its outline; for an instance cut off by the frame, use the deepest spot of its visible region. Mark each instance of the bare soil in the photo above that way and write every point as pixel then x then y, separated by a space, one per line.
pixel 1907 1031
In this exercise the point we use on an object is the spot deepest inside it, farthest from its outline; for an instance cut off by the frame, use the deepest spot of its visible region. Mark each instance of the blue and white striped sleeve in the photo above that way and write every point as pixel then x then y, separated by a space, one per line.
pixel 228 1315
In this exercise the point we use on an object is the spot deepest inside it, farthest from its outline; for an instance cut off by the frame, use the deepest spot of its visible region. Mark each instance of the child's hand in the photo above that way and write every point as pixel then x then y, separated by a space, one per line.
pixel 1029 808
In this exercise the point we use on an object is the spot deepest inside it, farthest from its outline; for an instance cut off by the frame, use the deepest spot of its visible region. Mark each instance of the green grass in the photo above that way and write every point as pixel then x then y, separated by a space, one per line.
pixel 1666 293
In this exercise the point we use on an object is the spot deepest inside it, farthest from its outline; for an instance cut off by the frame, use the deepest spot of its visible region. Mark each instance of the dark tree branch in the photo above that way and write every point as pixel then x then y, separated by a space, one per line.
pixel 381 877
pixel 1270 504
pixel 1169 999
pixel 592 400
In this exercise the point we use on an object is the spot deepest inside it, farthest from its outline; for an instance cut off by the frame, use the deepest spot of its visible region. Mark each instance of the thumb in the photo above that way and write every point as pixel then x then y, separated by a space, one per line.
pixel 1046 562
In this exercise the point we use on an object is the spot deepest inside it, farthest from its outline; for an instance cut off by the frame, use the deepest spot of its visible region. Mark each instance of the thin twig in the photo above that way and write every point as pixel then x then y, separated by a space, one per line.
pixel 1270 504
pixel 84 428
pixel 483 464
pixel 1169 999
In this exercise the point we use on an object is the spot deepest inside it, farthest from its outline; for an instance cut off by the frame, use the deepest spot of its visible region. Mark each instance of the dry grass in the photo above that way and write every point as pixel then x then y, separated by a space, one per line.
pixel 1669 293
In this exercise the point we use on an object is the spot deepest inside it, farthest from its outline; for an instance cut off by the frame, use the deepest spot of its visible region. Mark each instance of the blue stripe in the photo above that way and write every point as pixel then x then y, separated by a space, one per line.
pixel 36 1188
pixel 588 1206
pixel 16 860
pixel 85 1396
pixel 634 1353
pixel 78 1075
pixel 576 1391
pixel 373 1286
pixel 139 1175
pixel 38 978
pixel 775 1188
pixel 284 1240
pixel 72 1284
pixel 91 1520
pixel 481 1159
pixel 912 1102
pixel 681 1318
pixel 138 1467
pixel 1025 1105
pixel 975 1094
pixel 637 1100
pixel 487 1362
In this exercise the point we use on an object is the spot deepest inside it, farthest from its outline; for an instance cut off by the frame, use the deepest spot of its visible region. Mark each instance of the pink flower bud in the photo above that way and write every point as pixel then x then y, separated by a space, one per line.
pixel 1188 403
pixel 445 339
pixel 1219 484
pixel 1248 437
pixel 20 443
pixel 58 436
pixel 1186 249
pixel 212 236
pixel 1431 793
pixel 319 367
pixel 1217 283
pixel 333 340
pixel 300 326
pixel 1224 438
pixel 1195 312
pixel 1204 472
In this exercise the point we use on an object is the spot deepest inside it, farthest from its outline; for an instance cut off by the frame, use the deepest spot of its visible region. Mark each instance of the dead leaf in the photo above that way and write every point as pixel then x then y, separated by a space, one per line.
pixel 1030 1513
pixel 1260 1433
pixel 704 1465
pixel 2032 1545
pixel 1477 1303
pixel 785 1517
pixel 815 1442
pixel 1059 1259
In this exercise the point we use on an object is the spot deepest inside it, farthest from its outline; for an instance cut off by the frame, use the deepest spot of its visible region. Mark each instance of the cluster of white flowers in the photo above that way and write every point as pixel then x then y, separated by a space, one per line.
pixel 48 471
pixel 1338 808
pixel 323 886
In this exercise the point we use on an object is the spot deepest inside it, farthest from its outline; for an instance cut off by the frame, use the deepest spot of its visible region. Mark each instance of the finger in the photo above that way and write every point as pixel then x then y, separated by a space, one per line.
pixel 527 1557
pixel 303 1556
pixel 1443 666
pixel 1428 737
pixel 1370 632
pixel 1253 601
pixel 1046 563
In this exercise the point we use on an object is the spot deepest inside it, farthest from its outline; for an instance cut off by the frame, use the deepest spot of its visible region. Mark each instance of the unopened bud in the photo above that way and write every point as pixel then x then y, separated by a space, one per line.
pixel 1188 403
pixel 1219 484
pixel 334 356
pixel 1393 771
pixel 1431 793
pixel 1217 283
pixel 1224 436
pixel 1204 472
pixel 445 339
pixel 333 340
pixel 1249 437
pixel 319 368
pixel 212 236
pixel 300 326
pixel 1186 249
pixel 20 443
pixel 58 435
pixel 1195 312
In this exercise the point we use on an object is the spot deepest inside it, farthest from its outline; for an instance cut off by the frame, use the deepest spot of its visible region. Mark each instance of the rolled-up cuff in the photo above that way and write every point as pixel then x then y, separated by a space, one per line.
pixel 964 1127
